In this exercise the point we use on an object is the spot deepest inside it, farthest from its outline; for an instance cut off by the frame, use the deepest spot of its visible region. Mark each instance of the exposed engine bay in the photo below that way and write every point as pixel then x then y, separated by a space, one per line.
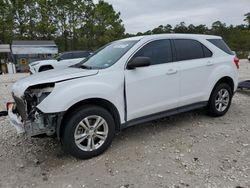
pixel 34 121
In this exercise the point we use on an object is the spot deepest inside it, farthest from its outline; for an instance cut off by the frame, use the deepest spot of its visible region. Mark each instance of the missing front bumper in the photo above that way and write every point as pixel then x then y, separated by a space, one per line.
pixel 14 119
pixel 40 125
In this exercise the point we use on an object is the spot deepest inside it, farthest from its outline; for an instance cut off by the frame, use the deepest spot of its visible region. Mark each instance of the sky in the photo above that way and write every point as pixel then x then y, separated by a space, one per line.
pixel 143 15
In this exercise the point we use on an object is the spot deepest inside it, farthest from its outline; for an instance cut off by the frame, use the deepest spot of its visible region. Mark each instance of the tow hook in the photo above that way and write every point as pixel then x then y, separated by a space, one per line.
pixel 3 113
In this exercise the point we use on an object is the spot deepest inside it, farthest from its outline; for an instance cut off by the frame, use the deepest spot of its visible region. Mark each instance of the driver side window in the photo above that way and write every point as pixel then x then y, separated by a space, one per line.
pixel 159 52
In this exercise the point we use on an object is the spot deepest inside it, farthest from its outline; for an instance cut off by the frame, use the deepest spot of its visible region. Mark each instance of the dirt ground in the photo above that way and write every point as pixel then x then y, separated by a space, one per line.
pixel 186 150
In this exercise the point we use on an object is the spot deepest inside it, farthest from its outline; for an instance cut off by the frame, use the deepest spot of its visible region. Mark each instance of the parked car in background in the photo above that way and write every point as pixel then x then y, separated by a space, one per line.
pixel 127 82
pixel 64 60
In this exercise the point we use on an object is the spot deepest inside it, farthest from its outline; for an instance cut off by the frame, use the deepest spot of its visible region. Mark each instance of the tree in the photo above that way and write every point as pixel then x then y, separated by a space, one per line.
pixel 247 19
pixel 181 28
pixel 158 30
pixel 25 18
pixel 103 26
pixel 47 22
pixel 6 21
pixel 81 24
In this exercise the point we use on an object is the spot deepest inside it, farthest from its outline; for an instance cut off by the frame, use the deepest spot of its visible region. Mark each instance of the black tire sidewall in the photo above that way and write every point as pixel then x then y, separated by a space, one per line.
pixel 71 123
pixel 211 108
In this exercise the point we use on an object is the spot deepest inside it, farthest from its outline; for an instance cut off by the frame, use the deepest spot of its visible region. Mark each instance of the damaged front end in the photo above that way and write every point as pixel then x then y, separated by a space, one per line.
pixel 33 121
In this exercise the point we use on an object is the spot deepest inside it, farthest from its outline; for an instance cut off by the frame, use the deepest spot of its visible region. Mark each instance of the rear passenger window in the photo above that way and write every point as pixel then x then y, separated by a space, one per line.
pixel 159 52
pixel 187 49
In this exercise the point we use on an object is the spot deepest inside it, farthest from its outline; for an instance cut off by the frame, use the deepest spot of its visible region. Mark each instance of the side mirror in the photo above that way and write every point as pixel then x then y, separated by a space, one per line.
pixel 58 59
pixel 139 62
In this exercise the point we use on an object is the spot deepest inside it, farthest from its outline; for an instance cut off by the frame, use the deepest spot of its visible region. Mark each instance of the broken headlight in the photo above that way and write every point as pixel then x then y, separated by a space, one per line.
pixel 34 95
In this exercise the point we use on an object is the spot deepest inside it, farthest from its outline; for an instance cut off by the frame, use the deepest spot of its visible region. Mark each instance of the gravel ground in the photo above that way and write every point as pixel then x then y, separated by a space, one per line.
pixel 187 150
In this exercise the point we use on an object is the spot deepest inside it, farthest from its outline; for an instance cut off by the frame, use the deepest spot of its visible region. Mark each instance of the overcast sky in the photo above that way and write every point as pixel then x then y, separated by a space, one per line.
pixel 143 15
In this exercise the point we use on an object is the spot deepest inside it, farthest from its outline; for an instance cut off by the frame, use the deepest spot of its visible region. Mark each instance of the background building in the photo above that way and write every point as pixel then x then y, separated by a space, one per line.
pixel 28 51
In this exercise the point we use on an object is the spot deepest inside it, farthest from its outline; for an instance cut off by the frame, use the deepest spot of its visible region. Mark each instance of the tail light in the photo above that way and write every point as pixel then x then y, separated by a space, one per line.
pixel 237 62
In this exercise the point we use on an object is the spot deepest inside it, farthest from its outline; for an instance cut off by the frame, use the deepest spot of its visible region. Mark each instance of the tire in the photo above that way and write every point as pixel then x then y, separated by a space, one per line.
pixel 218 106
pixel 42 69
pixel 75 129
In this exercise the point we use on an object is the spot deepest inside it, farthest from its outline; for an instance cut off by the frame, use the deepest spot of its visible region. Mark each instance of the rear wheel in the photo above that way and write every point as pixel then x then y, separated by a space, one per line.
pixel 88 132
pixel 220 100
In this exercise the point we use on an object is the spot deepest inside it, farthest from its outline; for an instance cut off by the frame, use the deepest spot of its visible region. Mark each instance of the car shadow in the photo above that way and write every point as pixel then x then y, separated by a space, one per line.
pixel 55 156
pixel 244 92
pixel 50 153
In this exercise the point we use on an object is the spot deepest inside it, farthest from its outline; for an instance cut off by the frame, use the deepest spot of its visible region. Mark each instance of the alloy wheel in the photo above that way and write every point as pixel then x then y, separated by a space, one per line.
pixel 91 133
pixel 222 100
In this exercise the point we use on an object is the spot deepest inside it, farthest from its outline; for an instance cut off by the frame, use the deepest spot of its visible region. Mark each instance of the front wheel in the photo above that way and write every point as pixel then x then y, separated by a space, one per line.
pixel 88 132
pixel 220 100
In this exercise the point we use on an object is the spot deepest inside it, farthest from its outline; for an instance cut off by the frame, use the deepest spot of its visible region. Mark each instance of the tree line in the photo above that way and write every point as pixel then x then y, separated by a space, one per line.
pixel 82 24
pixel 73 24
pixel 237 37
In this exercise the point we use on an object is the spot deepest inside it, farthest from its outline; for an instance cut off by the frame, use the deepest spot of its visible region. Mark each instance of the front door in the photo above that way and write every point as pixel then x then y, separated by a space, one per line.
pixel 155 88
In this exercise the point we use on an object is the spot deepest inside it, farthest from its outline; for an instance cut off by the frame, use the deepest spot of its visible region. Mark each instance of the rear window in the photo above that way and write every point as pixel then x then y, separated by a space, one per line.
pixel 222 45
pixel 187 49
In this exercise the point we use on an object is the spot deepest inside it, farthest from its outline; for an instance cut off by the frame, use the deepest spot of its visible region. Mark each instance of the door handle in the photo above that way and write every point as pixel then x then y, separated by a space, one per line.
pixel 171 71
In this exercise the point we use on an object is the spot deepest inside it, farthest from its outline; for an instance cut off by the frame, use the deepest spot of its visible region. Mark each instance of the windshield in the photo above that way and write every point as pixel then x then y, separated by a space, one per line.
pixel 107 55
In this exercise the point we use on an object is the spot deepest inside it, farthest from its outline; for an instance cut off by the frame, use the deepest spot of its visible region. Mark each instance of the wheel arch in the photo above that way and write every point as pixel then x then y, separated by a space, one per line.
pixel 45 66
pixel 92 101
pixel 225 79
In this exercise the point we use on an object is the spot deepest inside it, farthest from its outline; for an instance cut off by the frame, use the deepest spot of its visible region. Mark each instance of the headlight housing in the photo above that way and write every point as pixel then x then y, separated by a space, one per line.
pixel 34 95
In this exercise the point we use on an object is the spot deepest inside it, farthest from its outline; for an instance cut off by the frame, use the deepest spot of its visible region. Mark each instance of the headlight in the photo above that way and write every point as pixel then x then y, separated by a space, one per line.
pixel 34 95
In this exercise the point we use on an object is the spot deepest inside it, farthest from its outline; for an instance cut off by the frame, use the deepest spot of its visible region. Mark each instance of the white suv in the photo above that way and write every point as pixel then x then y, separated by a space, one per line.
pixel 126 82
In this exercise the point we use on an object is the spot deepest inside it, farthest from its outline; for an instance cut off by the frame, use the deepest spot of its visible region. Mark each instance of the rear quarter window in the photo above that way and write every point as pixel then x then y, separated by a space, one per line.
pixel 207 52
pixel 219 43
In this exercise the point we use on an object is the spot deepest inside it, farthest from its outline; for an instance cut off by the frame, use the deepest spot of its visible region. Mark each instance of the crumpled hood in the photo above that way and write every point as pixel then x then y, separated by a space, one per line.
pixel 50 76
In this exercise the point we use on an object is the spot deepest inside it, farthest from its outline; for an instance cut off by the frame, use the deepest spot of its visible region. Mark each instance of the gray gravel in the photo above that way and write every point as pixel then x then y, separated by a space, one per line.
pixel 187 150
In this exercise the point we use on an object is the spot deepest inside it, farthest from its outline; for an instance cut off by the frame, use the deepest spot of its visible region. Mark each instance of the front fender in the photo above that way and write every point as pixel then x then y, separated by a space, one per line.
pixel 68 93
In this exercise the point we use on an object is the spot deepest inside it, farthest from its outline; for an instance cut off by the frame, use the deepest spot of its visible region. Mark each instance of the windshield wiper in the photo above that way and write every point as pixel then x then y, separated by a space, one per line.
pixel 85 67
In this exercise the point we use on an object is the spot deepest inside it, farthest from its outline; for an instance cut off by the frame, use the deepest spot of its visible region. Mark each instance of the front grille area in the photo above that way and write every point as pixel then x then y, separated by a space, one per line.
pixel 20 107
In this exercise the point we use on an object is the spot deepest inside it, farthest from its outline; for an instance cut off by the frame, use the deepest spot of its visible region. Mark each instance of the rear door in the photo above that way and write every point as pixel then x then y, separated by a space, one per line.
pixel 195 64
pixel 155 88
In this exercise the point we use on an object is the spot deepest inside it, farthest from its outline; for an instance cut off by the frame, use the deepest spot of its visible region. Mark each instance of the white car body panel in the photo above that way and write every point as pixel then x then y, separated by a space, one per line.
pixel 160 81
pixel 50 76
pixel 101 85
pixel 142 91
